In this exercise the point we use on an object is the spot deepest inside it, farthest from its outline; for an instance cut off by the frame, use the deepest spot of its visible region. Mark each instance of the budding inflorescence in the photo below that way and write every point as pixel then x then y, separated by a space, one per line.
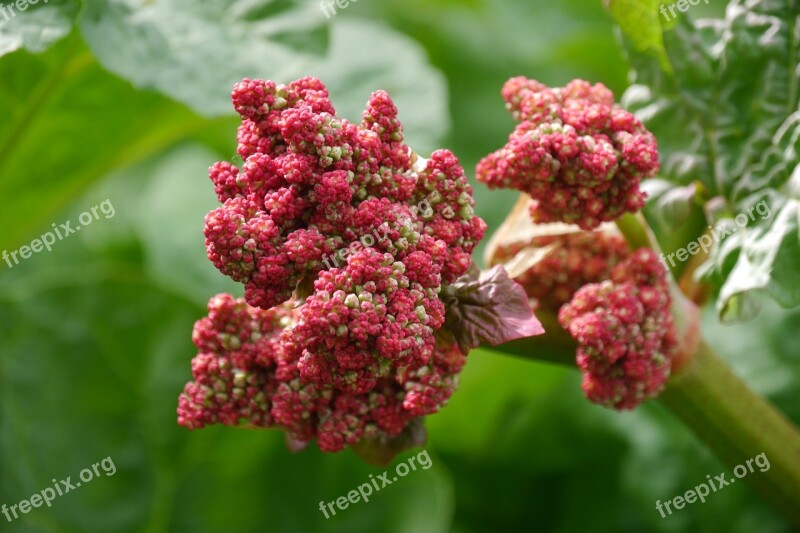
pixel 579 156
pixel 312 183
pixel 338 354
pixel 571 261
pixel 625 332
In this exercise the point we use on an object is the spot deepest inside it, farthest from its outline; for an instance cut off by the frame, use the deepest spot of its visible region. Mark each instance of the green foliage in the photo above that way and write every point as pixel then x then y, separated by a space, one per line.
pixel 641 23
pixel 280 40
pixel 66 124
pixel 37 29
pixel 726 115
pixel 95 335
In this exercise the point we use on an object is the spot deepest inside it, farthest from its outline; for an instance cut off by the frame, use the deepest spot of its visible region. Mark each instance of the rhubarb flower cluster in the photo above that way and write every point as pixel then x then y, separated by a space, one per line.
pixel 336 353
pixel 298 196
pixel 625 332
pixel 580 156
pixel 571 261
pixel 249 370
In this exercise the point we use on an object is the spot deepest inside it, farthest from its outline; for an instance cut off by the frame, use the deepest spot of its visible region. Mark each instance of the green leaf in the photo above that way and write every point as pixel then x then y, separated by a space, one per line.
pixel 176 198
pixel 727 116
pixel 195 52
pixel 641 22
pixel 37 25
pixel 64 124
pixel 761 259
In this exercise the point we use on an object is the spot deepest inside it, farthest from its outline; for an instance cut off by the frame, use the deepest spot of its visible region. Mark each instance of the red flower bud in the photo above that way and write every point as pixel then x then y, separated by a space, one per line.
pixel 580 156
pixel 625 332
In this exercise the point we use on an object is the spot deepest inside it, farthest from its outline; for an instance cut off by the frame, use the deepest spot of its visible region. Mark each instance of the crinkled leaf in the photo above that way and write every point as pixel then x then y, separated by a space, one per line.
pixel 727 116
pixel 37 27
pixel 380 451
pixel 488 308
pixel 763 258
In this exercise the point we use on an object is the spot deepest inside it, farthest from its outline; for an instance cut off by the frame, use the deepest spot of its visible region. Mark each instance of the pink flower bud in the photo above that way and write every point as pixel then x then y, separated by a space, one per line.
pixel 580 156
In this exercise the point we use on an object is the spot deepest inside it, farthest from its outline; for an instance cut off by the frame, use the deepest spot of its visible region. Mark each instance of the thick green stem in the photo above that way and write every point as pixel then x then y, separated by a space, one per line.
pixel 738 425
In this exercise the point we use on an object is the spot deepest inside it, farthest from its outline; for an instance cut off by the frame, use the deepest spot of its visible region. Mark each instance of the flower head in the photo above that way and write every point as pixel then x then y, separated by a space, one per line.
pixel 343 238
pixel 579 156
pixel 625 332
pixel 234 370
pixel 261 368
pixel 312 183
pixel 368 319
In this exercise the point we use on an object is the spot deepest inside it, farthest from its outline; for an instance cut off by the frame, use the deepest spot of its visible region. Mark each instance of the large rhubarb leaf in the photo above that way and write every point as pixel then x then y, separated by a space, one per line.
pixel 195 52
pixel 725 112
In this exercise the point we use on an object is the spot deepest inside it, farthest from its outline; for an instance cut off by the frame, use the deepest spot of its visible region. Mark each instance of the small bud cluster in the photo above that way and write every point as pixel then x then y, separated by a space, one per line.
pixel 249 369
pixel 358 355
pixel 574 260
pixel 234 368
pixel 580 156
pixel 625 332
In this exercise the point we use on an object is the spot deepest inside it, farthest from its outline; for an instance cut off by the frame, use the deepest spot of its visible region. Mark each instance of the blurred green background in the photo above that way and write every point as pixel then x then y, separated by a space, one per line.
pixel 128 101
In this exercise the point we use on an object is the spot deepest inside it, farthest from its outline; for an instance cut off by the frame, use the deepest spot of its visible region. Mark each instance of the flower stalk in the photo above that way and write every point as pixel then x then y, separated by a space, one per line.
pixel 738 424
